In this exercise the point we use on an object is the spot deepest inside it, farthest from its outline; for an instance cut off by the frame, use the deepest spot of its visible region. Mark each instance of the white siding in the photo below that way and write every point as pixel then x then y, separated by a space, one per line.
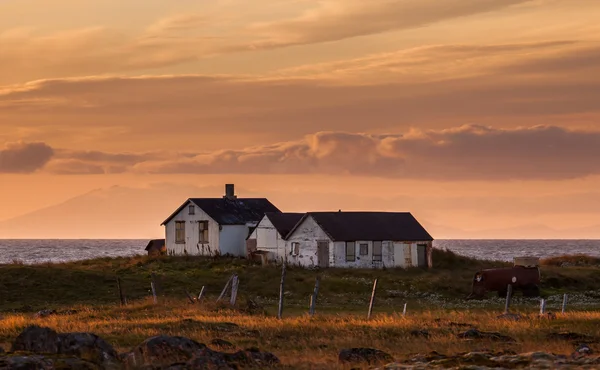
pixel 400 256
pixel 269 240
pixel 232 240
pixel 308 233
pixel 366 261
pixel 192 233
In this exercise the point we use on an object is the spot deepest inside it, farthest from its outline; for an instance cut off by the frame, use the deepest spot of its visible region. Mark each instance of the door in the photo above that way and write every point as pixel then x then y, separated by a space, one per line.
pixel 407 255
pixel 323 254
pixel 422 255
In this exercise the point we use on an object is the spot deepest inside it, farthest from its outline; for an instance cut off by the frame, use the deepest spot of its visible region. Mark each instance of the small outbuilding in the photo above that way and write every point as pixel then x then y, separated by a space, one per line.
pixel 345 239
pixel 156 247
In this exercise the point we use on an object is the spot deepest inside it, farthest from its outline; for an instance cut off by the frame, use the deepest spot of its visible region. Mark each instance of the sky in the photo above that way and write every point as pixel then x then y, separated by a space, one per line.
pixel 478 116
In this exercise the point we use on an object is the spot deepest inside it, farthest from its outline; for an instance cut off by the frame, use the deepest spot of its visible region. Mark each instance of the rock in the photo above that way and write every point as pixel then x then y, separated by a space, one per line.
pixel 38 362
pixel 476 334
pixel 45 313
pixel 89 347
pixel 583 350
pixel 37 340
pixel 163 350
pixel 183 353
pixel 223 344
pixel 569 336
pixel 420 333
pixel 510 317
pixel 368 355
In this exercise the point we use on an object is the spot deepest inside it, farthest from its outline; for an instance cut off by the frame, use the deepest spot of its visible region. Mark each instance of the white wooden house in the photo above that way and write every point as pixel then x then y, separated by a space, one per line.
pixel 269 235
pixel 214 226
pixel 349 239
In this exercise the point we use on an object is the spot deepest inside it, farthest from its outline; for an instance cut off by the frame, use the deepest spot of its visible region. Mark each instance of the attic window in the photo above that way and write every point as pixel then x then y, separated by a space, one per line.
pixel 192 210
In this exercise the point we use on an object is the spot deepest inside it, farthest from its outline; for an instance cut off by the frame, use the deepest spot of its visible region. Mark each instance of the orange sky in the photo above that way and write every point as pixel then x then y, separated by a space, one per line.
pixel 476 115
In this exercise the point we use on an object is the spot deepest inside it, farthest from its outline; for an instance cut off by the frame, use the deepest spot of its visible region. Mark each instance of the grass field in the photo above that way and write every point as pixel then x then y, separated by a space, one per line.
pixel 89 287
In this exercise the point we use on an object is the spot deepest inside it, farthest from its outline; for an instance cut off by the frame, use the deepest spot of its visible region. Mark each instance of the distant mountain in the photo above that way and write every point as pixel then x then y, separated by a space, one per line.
pixel 136 213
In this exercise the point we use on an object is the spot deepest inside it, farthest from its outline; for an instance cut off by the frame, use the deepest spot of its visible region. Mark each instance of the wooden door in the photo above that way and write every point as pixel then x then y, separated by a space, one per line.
pixel 407 255
pixel 422 255
pixel 323 254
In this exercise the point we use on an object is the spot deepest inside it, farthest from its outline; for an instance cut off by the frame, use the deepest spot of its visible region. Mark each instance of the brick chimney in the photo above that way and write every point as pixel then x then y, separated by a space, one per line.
pixel 230 191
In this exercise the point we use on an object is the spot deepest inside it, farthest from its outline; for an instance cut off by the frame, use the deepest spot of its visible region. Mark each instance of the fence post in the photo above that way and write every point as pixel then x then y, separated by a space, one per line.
pixel 234 290
pixel 156 287
pixel 153 291
pixel 313 297
pixel 542 306
pixel 564 305
pixel 225 289
pixel 372 300
pixel 121 295
pixel 200 296
pixel 281 291
pixel 404 310
pixel 508 297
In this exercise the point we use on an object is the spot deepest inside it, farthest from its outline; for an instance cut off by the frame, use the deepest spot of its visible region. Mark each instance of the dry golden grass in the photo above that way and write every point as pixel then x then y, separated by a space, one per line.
pixel 304 342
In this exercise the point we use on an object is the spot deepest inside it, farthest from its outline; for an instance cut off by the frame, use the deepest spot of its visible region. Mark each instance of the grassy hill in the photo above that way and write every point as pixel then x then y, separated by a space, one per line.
pixel 94 282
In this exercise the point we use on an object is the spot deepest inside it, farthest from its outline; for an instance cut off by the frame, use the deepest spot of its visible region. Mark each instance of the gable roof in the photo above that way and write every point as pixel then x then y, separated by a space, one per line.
pixel 284 222
pixel 155 244
pixel 353 226
pixel 231 211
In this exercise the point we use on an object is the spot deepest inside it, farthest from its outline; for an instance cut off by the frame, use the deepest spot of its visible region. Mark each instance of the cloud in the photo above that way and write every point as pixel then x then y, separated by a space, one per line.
pixel 338 20
pixel 178 23
pixel 469 152
pixel 24 157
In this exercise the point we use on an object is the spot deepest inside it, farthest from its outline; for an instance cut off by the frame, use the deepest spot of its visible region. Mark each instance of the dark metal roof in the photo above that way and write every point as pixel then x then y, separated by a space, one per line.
pixel 155 244
pixel 284 222
pixel 353 226
pixel 231 211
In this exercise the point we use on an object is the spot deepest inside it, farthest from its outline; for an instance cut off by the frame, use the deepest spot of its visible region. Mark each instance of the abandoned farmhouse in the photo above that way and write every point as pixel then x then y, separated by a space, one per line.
pixel 247 227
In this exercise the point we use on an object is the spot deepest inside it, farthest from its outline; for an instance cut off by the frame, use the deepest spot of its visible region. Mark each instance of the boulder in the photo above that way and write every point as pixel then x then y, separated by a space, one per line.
pixel 89 347
pixel 221 344
pixel 364 355
pixel 37 340
pixel 420 333
pixel 45 313
pixel 163 350
pixel 476 334
pixel 179 352
pixel 570 336
pixel 39 362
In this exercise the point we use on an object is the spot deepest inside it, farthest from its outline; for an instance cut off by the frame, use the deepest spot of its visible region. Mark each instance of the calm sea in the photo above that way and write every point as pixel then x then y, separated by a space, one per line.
pixel 51 250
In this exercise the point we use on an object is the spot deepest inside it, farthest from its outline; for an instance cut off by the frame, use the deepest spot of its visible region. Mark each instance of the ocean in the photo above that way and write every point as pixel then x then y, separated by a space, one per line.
pixel 52 250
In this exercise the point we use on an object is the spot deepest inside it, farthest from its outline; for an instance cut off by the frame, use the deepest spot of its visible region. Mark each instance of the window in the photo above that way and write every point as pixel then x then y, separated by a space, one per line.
pixel 350 251
pixel 364 249
pixel 192 210
pixel 203 230
pixel 295 249
pixel 377 251
pixel 180 232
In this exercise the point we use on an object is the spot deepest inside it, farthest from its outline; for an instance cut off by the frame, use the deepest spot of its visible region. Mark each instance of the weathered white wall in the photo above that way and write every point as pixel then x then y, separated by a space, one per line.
pixel 192 233
pixel 268 239
pixel 308 233
pixel 399 260
pixel 366 261
pixel 232 240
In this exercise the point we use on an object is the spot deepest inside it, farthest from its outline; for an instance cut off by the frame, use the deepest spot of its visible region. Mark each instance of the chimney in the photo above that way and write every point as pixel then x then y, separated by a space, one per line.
pixel 230 191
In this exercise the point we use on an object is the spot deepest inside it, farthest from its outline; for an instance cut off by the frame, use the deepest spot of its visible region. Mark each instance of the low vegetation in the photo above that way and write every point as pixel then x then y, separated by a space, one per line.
pixel 85 297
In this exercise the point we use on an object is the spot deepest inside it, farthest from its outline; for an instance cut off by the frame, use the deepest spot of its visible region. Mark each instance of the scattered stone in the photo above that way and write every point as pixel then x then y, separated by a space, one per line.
pixel 39 362
pixel 510 317
pixel 569 336
pixel 183 353
pixel 45 313
pixel 420 333
pixel 476 334
pixel 89 347
pixel 360 355
pixel 37 340
pixel 222 344
pixel 583 350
